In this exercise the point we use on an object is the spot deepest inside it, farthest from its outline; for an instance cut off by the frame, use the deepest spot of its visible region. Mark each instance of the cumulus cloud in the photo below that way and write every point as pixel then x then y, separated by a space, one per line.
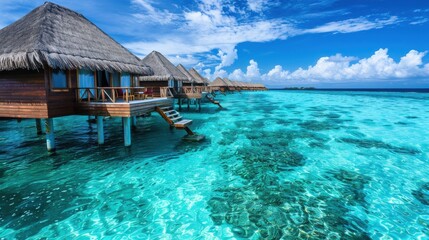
pixel 227 56
pixel 219 25
pixel 252 73
pixel 210 28
pixel 338 68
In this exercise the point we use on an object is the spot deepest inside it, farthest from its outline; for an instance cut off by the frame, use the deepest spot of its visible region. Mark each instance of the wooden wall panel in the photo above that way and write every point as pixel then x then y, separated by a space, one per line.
pixel 22 86
pixel 23 94
pixel 23 110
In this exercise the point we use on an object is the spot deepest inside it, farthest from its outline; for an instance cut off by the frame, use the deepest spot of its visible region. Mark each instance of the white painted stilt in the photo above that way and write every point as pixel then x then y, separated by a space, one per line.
pixel 100 130
pixel 50 136
pixel 39 126
pixel 127 131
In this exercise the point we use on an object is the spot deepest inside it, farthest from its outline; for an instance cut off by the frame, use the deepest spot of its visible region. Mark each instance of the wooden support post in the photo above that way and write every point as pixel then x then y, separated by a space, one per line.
pixel 100 130
pixel 39 126
pixel 189 131
pixel 127 131
pixel 50 136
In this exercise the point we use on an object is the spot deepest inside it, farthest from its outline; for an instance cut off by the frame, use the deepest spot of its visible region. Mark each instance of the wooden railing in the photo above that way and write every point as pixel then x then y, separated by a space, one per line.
pixel 111 94
pixel 195 89
pixel 165 92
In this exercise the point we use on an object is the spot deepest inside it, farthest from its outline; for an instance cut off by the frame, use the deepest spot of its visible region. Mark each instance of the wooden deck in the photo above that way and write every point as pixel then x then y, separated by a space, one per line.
pixel 122 109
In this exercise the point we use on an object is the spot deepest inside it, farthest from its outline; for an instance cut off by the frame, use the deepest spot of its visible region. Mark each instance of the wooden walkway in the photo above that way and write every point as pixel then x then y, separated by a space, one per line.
pixel 122 109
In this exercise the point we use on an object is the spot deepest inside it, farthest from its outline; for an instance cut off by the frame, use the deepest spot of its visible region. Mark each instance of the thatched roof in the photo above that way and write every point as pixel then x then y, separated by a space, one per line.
pixel 163 69
pixel 198 78
pixel 185 72
pixel 218 82
pixel 228 82
pixel 206 81
pixel 57 37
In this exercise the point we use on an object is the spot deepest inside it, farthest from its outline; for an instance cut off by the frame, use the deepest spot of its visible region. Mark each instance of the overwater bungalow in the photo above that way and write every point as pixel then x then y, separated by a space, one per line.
pixel 230 84
pixel 199 80
pixel 165 75
pixel 219 85
pixel 54 62
pixel 190 92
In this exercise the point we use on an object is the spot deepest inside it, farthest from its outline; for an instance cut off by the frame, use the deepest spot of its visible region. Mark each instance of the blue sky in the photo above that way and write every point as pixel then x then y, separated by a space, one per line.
pixel 321 43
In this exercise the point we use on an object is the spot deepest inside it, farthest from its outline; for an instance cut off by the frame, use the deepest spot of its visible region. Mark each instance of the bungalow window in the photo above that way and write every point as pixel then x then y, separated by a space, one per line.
pixel 59 79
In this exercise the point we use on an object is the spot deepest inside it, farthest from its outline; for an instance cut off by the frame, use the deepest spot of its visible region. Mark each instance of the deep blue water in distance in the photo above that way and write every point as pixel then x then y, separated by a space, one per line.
pixel 276 164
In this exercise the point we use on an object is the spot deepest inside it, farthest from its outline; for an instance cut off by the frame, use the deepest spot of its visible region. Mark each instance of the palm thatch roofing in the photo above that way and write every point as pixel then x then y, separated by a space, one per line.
pixel 183 70
pixel 54 36
pixel 198 78
pixel 218 82
pixel 163 69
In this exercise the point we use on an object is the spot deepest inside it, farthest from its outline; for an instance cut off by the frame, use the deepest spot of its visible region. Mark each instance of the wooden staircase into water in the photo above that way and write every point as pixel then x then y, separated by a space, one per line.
pixel 212 100
pixel 175 120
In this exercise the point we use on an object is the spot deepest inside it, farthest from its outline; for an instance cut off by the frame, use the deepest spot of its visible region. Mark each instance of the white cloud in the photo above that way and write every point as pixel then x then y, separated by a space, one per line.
pixel 185 60
pixel 151 14
pixel 419 20
pixel 354 25
pixel 256 5
pixel 252 73
pixel 210 28
pixel 338 68
pixel 228 56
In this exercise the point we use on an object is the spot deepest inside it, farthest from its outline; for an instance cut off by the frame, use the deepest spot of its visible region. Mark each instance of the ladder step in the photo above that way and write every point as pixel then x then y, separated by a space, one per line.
pixel 183 123
pixel 173 115
pixel 165 108
pixel 176 118
pixel 170 111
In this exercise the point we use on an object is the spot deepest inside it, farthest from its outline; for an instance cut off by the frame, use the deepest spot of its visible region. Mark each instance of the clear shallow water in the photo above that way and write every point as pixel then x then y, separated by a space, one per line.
pixel 280 163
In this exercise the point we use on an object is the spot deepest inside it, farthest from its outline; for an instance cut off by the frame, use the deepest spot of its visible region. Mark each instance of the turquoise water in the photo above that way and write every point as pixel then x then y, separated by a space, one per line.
pixel 275 164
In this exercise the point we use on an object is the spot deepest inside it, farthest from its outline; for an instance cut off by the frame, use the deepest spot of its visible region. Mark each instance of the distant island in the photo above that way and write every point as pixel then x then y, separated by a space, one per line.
pixel 299 88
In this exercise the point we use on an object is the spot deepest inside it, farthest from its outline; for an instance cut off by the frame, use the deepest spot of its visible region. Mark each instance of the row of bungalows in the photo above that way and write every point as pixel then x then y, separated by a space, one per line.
pixel 54 62
pixel 226 85
pixel 172 81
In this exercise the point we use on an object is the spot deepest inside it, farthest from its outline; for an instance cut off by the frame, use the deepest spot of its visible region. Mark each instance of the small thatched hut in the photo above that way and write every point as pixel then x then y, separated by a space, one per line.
pixel 199 80
pixel 165 74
